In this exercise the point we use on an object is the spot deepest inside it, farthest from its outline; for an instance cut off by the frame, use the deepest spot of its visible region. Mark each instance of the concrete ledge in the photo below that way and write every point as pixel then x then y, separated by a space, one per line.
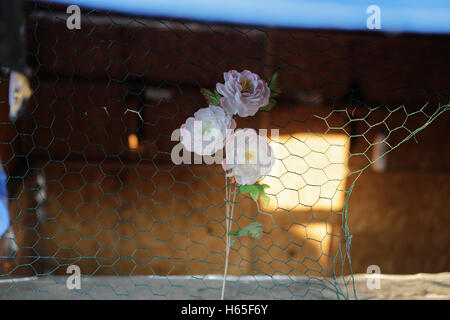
pixel 419 286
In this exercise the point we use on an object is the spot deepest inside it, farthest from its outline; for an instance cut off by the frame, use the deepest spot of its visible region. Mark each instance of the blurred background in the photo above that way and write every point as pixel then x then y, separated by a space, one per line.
pixel 90 179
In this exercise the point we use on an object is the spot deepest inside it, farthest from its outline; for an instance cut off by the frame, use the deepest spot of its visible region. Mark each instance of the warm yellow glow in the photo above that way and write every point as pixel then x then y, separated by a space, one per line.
pixel 133 141
pixel 314 238
pixel 309 172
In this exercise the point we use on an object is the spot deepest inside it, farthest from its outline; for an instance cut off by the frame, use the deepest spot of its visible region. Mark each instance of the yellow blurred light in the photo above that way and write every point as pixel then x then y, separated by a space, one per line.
pixel 309 172
pixel 314 237
pixel 133 141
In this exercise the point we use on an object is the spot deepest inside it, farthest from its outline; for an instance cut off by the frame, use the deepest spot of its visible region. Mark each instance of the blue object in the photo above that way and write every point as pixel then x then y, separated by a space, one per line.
pixel 430 16
pixel 4 212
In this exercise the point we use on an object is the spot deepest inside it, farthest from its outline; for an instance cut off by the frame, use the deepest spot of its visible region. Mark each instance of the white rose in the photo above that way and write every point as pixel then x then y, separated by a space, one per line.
pixel 207 131
pixel 243 93
pixel 248 156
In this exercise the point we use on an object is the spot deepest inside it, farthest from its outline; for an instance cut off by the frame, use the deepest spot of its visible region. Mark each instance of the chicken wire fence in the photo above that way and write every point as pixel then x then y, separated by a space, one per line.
pixel 91 182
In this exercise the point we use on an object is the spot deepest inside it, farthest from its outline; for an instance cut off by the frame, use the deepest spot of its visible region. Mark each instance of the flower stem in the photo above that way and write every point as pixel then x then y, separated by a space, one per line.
pixel 229 221
pixel 226 237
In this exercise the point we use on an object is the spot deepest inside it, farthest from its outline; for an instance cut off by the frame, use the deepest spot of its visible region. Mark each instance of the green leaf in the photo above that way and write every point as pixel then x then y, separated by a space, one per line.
pixel 212 98
pixel 256 190
pixel 274 91
pixel 272 103
pixel 253 230
pixel 273 85
pixel 265 198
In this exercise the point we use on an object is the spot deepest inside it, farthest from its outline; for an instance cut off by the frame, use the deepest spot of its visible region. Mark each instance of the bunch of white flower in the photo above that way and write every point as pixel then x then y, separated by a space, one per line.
pixel 248 155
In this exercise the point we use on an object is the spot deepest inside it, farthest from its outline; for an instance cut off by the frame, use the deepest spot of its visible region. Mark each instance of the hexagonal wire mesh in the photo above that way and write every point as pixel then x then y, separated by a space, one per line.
pixel 92 184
